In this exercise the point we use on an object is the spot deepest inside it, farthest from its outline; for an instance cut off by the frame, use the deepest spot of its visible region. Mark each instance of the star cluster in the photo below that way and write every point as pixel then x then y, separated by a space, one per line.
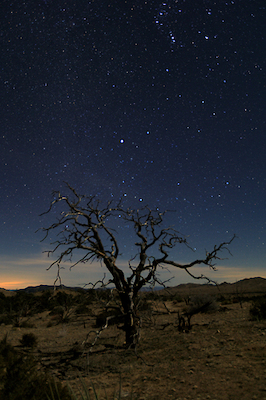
pixel 158 103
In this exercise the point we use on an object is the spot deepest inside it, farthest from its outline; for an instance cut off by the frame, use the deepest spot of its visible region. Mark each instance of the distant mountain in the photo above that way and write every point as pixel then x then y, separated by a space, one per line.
pixel 44 288
pixel 244 286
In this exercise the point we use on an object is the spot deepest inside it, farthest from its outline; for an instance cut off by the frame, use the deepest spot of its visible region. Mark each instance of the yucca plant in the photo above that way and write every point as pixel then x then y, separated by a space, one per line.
pixel 84 393
pixel 20 378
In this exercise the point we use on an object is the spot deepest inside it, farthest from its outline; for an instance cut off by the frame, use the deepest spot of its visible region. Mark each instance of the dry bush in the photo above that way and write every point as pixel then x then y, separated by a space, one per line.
pixel 20 378
pixel 202 304
pixel 28 340
pixel 258 309
pixel 196 305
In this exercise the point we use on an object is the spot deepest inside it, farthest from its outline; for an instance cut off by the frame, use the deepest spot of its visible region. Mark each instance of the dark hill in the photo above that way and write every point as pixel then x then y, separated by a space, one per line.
pixel 244 287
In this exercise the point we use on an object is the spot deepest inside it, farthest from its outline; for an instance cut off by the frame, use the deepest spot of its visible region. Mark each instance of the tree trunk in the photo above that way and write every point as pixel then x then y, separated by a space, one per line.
pixel 131 321
pixel 131 330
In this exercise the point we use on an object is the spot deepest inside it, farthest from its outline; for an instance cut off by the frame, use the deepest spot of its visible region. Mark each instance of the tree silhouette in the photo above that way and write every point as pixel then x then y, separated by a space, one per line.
pixel 84 225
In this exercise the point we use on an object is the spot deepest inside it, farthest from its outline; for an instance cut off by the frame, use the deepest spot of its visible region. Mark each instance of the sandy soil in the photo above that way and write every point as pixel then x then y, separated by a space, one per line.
pixel 223 356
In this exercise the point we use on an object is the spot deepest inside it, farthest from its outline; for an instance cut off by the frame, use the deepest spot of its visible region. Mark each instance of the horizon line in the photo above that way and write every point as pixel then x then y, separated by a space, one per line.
pixel 83 286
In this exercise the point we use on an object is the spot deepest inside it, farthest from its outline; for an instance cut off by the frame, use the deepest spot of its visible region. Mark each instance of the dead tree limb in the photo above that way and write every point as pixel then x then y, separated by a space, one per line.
pixel 84 228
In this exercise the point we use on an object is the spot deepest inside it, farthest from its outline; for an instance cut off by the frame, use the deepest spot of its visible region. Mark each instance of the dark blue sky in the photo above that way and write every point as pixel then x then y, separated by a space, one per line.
pixel 161 103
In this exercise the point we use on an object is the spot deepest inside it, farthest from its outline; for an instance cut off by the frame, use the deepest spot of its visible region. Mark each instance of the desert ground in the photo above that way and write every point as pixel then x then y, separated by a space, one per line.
pixel 222 356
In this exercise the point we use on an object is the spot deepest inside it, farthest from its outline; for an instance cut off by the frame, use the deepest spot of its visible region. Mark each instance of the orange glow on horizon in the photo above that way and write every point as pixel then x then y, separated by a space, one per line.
pixel 13 285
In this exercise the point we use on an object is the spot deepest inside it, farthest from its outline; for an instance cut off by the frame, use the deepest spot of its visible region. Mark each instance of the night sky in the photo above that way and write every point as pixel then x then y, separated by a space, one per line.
pixel 157 103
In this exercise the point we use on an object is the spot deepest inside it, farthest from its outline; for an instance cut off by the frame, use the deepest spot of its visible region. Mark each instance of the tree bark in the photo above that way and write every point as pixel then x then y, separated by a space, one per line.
pixel 131 321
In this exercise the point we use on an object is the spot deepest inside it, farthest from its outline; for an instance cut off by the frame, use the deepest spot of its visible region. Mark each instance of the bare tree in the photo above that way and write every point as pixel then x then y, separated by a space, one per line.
pixel 83 226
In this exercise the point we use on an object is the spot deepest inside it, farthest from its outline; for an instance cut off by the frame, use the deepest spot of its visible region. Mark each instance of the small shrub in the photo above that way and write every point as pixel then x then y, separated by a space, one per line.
pixel 28 340
pixel 151 295
pixel 222 299
pixel 177 299
pixel 26 324
pixel 6 319
pixel 57 310
pixel 144 305
pixel 82 309
pixel 86 297
pixel 60 315
pixel 202 304
pixel 258 309
pixel 195 305
pixel 42 302
pixel 19 378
